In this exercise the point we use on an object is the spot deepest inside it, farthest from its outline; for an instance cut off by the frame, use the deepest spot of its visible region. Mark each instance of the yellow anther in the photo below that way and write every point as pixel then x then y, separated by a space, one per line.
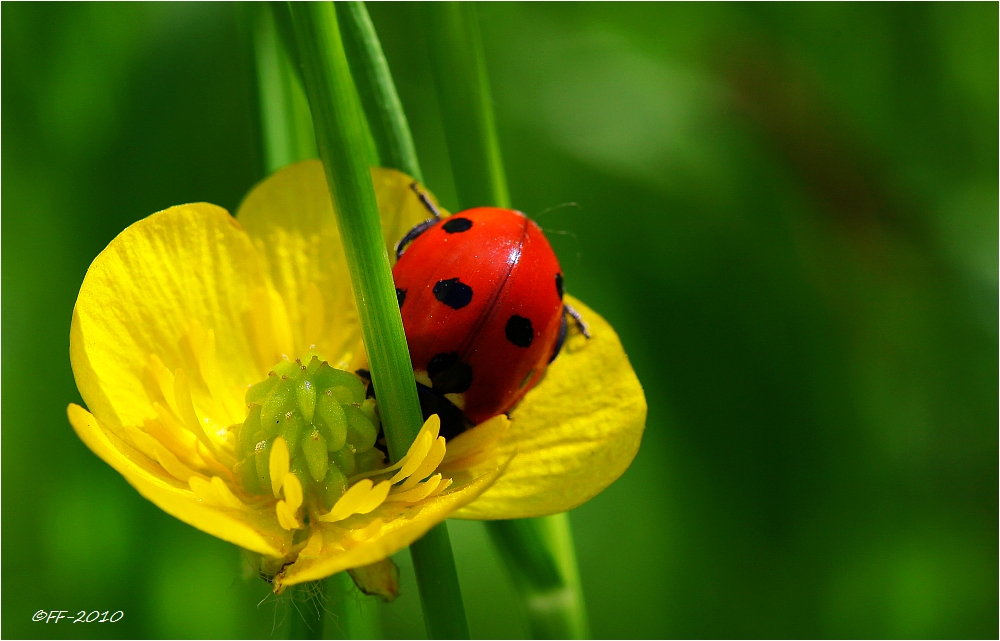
pixel 415 456
pixel 286 516
pixel 293 491
pixel 418 493
pixel 278 464
pixel 315 545
pixel 351 499
pixel 442 486
pixel 427 466
pixel 225 495
pixel 369 532
pixel 375 497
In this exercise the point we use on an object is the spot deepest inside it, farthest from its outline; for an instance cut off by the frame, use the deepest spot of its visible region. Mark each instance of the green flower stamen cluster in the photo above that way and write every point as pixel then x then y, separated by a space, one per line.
pixel 329 427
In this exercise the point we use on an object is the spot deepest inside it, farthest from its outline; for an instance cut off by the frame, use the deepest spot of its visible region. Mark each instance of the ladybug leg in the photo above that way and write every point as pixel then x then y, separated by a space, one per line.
pixel 426 201
pixel 422 227
pixel 563 326
pixel 412 235
pixel 580 323
pixel 562 336
pixel 453 422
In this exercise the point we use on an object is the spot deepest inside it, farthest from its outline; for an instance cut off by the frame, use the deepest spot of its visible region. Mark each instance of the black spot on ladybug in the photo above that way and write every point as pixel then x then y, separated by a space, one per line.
pixel 400 296
pixel 453 293
pixel 457 225
pixel 449 374
pixel 559 286
pixel 519 331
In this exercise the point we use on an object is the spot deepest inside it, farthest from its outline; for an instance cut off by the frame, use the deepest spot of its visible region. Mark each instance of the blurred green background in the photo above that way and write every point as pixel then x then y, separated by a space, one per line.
pixel 788 211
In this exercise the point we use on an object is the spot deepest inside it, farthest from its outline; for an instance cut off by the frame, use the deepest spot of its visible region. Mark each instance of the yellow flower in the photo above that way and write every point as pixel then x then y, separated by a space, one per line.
pixel 190 327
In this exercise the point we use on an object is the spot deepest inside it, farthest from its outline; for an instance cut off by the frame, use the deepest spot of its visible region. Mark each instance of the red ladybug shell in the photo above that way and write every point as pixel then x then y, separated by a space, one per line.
pixel 481 298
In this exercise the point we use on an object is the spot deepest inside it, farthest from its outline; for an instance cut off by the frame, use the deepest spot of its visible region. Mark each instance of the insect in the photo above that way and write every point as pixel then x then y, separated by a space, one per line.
pixel 481 296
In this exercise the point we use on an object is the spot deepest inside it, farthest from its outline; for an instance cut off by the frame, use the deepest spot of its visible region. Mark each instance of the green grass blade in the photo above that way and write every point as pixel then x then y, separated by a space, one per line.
pixel 340 137
pixel 459 66
pixel 286 123
pixel 384 112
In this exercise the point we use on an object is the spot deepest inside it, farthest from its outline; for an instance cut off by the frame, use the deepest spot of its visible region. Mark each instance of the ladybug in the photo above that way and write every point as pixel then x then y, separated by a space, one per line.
pixel 481 296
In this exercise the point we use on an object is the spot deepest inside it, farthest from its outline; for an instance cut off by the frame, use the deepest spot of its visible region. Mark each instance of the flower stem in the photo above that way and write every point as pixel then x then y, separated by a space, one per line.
pixel 437 581
pixel 377 91
pixel 340 137
pixel 538 553
pixel 352 614
pixel 540 558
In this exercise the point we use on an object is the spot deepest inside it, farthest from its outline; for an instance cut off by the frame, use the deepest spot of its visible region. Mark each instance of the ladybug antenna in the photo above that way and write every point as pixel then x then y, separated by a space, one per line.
pixel 559 206
pixel 571 234
pixel 425 200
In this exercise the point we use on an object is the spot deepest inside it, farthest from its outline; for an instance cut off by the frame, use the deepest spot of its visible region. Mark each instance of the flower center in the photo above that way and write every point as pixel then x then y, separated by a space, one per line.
pixel 327 425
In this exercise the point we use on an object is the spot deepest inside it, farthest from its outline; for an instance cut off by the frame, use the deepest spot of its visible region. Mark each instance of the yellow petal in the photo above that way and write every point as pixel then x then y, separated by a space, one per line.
pixel 215 493
pixel 187 263
pixel 242 527
pixel 386 530
pixel 573 434
pixel 290 218
pixel 479 438
pixel 474 447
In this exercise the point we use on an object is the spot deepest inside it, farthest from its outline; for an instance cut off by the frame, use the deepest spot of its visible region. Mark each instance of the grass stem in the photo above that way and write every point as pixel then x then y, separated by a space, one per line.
pixel 352 615
pixel 389 127
pixel 459 66
pixel 286 123
pixel 341 132
pixel 444 615
pixel 340 139
pixel 540 557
